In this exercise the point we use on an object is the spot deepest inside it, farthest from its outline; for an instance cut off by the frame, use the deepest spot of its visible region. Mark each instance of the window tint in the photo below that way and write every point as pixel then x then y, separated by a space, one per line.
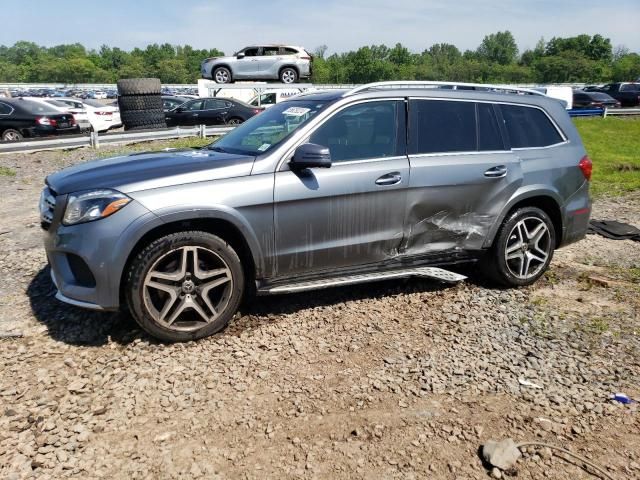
pixel 251 52
pixel 629 87
pixel 489 137
pixel 442 126
pixel 289 51
pixel 211 104
pixel 197 105
pixel 529 127
pixel 270 51
pixel 368 130
pixel 5 109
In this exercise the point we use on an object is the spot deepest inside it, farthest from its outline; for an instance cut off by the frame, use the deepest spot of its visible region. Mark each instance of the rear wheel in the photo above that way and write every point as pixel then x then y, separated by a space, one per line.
pixel 222 75
pixel 523 248
pixel 234 121
pixel 288 75
pixel 11 135
pixel 185 286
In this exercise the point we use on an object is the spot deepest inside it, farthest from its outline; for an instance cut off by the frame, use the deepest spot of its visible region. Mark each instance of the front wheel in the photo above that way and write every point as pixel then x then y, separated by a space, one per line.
pixel 185 286
pixel 222 75
pixel 523 248
pixel 234 121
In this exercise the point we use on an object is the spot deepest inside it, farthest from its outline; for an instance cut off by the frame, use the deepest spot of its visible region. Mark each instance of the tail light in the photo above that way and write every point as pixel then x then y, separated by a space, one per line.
pixel 305 58
pixel 104 113
pixel 586 166
pixel 46 121
pixel 257 110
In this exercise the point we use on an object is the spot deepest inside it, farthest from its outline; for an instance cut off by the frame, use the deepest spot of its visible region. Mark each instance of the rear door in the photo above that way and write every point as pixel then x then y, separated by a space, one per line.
pixel 214 112
pixel 462 174
pixel 352 213
pixel 268 61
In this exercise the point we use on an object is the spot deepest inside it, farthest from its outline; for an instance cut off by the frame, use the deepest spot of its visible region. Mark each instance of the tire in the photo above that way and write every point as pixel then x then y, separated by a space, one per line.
pixel 139 118
pixel 235 121
pixel 222 75
pixel 139 86
pixel 529 259
pixel 11 135
pixel 140 102
pixel 182 297
pixel 288 75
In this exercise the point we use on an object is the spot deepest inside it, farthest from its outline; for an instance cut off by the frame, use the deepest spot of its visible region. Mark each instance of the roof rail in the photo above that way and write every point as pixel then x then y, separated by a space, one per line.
pixel 452 85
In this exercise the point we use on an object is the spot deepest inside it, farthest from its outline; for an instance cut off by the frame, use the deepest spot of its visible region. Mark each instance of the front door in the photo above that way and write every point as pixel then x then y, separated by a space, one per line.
pixel 352 213
pixel 462 175
pixel 248 66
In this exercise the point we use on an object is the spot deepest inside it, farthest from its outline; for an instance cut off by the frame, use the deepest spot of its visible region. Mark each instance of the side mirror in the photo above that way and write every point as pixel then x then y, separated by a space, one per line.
pixel 310 155
pixel 240 56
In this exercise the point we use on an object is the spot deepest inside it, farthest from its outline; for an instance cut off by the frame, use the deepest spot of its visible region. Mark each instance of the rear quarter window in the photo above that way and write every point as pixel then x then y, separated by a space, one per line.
pixel 439 126
pixel 5 109
pixel 529 127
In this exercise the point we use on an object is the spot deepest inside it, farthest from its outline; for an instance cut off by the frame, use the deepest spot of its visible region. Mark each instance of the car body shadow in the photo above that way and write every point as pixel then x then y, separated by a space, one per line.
pixel 81 327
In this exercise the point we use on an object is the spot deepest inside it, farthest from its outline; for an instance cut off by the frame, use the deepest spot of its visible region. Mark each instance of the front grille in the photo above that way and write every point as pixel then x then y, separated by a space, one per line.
pixel 47 207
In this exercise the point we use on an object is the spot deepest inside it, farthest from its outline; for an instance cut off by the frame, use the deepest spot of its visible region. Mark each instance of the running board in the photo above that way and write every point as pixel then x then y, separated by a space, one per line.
pixel 425 272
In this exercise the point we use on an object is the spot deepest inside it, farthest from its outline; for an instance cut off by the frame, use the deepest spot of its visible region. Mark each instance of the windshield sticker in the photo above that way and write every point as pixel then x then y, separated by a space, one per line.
pixel 264 147
pixel 296 111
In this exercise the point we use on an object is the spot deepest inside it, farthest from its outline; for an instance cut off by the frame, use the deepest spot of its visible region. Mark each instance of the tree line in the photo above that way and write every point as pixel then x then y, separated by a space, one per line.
pixel 580 59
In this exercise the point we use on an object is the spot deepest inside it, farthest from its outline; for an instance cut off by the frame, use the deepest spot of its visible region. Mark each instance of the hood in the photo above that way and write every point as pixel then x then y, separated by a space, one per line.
pixel 143 171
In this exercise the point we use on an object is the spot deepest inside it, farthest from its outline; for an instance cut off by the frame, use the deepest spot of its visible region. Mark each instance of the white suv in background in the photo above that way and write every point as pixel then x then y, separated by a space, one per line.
pixel 285 63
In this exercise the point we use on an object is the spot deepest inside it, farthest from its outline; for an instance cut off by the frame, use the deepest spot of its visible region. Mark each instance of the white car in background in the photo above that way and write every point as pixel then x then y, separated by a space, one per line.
pixel 101 117
pixel 72 106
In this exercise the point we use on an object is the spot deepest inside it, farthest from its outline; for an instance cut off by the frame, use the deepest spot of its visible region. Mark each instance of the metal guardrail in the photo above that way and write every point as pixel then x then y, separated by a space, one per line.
pixel 95 140
pixel 621 111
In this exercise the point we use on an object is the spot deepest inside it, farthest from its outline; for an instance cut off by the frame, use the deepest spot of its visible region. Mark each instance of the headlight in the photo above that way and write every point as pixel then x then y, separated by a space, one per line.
pixel 93 205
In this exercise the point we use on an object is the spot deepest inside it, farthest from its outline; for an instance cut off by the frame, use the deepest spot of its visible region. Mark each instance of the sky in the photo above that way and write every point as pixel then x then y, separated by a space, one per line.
pixel 341 25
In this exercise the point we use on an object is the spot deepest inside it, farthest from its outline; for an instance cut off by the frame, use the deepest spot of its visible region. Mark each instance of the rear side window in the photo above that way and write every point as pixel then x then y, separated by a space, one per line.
pixel 529 127
pixel 440 126
pixel 489 136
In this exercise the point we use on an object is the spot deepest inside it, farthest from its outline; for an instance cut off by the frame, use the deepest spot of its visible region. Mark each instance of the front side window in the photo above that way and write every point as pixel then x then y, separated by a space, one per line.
pixel 529 127
pixel 265 131
pixel 364 131
pixel 197 105
pixel 440 126
pixel 251 52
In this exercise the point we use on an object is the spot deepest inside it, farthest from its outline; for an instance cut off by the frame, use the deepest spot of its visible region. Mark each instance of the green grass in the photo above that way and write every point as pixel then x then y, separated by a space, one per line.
pixel 188 142
pixel 613 144
pixel 7 172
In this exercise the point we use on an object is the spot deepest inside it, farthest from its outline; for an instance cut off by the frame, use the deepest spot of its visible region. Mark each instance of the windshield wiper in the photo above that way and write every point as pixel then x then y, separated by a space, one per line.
pixel 217 149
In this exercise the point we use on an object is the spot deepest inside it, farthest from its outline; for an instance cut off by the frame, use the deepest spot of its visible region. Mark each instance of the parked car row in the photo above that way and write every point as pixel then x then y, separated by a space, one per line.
pixel 20 118
pixel 626 93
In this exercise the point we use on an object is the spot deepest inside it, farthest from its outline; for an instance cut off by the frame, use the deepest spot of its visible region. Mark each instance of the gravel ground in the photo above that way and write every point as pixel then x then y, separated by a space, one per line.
pixel 390 380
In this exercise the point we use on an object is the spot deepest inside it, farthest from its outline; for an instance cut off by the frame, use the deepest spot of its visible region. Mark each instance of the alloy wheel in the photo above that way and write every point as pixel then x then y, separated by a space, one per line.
pixel 187 288
pixel 222 76
pixel 288 76
pixel 528 248
pixel 11 137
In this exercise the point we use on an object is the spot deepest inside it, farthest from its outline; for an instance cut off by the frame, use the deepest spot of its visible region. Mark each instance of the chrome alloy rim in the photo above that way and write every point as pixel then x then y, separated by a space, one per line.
pixel 222 76
pixel 187 288
pixel 528 248
pixel 288 76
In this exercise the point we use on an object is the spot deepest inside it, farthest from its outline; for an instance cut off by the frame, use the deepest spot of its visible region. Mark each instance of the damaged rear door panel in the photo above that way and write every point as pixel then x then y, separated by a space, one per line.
pixel 462 174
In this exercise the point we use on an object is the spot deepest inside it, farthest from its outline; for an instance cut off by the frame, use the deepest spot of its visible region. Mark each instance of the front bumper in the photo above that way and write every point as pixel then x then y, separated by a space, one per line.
pixel 87 260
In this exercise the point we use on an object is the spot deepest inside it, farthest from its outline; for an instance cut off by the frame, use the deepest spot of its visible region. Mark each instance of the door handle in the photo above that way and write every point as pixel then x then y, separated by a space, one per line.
pixel 496 172
pixel 392 178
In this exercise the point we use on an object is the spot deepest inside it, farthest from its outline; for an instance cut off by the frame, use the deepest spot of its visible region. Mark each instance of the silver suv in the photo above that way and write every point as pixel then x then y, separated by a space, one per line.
pixel 330 188
pixel 285 63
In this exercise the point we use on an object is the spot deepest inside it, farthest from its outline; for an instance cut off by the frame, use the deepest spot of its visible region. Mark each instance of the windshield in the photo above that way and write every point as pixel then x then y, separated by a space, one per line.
pixel 266 130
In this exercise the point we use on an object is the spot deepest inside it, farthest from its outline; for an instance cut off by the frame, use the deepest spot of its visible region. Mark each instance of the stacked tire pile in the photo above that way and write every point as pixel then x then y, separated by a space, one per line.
pixel 140 103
